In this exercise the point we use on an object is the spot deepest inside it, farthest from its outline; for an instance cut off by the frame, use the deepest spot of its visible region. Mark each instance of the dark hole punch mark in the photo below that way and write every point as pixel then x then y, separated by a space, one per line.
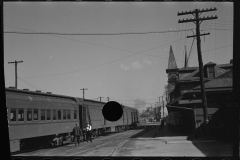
pixel 112 111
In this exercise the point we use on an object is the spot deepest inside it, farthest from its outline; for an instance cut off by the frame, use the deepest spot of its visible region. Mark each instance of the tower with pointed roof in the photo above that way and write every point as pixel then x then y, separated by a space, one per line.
pixel 172 71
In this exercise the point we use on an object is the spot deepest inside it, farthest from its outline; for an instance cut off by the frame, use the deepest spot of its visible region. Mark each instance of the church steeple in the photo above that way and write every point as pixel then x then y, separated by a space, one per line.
pixel 171 61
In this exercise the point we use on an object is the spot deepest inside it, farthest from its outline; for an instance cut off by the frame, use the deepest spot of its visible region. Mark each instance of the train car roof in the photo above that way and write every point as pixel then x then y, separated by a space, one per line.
pixel 37 93
pixel 95 101
pixel 79 100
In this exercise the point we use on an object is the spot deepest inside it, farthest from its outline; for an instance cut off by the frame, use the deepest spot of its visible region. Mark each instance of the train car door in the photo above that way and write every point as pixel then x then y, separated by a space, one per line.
pixel 104 121
pixel 82 116
pixel 127 116
pixel 132 116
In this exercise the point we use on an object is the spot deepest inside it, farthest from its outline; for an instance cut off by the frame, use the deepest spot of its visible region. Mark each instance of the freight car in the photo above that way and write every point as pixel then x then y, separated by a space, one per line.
pixel 35 118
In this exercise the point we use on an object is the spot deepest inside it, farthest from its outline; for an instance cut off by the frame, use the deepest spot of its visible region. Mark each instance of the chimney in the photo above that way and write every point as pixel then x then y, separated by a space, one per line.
pixel 26 89
pixel 231 61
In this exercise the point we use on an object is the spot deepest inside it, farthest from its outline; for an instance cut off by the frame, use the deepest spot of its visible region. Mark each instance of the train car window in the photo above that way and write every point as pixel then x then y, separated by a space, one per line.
pixel 13 115
pixel 20 115
pixel 59 115
pixel 29 115
pixel 54 115
pixel 35 114
pixel 68 114
pixel 48 114
pixel 43 114
pixel 75 114
pixel 64 114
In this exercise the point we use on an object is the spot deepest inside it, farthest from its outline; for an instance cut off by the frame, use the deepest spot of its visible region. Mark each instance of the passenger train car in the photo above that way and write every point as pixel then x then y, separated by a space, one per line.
pixel 36 119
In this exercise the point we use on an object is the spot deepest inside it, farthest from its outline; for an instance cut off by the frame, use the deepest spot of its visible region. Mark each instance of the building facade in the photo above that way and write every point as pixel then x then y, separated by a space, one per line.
pixel 185 106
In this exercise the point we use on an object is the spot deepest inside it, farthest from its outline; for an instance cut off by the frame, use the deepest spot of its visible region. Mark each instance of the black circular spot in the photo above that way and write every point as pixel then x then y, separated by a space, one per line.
pixel 112 111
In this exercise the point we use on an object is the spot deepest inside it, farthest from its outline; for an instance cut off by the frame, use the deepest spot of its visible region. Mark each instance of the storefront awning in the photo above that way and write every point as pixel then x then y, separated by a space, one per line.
pixel 175 108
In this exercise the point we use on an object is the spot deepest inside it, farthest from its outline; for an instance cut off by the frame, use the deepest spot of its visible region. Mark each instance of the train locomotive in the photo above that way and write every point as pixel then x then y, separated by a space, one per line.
pixel 37 119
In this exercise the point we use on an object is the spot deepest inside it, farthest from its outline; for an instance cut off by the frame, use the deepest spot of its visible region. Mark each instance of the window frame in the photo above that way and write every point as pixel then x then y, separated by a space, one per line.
pixel 75 111
pixel 64 111
pixel 31 115
pixel 211 72
pixel 68 115
pixel 44 115
pixel 23 115
pixel 47 115
pixel 60 115
pixel 15 115
pixel 53 114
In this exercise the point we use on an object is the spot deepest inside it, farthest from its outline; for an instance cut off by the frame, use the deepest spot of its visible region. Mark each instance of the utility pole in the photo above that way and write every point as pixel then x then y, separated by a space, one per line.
pixel 83 91
pixel 100 98
pixel 163 105
pixel 15 62
pixel 159 112
pixel 108 99
pixel 197 21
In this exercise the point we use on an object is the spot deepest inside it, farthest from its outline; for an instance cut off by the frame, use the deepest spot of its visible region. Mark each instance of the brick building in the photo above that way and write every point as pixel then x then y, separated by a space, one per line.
pixel 185 106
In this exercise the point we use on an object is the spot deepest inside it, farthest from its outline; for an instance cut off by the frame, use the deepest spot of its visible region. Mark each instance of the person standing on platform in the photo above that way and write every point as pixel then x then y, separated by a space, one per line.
pixel 77 133
pixel 161 125
pixel 89 133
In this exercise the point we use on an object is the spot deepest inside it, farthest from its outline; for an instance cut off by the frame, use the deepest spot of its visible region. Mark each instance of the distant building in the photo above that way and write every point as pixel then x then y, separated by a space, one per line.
pixel 184 94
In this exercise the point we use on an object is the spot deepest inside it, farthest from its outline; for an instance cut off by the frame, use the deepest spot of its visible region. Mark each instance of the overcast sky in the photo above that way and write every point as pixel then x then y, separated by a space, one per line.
pixel 130 69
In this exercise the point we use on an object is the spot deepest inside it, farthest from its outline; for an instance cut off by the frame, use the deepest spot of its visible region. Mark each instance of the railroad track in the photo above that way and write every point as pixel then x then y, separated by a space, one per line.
pixel 87 149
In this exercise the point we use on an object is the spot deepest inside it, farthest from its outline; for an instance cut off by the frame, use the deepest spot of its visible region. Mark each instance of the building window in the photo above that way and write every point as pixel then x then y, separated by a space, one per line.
pixel 35 114
pixel 43 114
pixel 68 114
pixel 59 115
pixel 20 114
pixel 209 117
pixel 29 114
pixel 54 114
pixel 48 114
pixel 75 114
pixel 210 72
pixel 64 114
pixel 13 115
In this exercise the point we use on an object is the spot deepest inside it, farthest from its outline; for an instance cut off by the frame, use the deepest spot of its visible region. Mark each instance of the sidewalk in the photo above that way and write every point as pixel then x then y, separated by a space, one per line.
pixel 171 137
pixel 168 143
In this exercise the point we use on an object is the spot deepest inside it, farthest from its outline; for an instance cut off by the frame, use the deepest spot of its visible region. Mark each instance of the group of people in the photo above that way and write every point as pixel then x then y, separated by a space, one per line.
pixel 77 132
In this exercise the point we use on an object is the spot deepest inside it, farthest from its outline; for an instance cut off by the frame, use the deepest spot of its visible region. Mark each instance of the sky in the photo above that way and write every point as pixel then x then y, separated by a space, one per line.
pixel 127 68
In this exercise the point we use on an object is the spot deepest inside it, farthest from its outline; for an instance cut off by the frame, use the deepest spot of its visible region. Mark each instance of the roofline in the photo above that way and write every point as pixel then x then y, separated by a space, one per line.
pixel 211 90
pixel 37 93
pixel 168 106
pixel 173 70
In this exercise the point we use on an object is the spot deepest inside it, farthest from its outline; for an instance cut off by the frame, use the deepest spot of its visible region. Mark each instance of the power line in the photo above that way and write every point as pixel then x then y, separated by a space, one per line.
pixel 92 34
pixel 135 53
pixel 213 49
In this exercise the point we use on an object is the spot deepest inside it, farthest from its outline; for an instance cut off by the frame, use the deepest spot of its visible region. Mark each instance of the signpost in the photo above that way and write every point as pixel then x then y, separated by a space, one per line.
pixel 189 101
